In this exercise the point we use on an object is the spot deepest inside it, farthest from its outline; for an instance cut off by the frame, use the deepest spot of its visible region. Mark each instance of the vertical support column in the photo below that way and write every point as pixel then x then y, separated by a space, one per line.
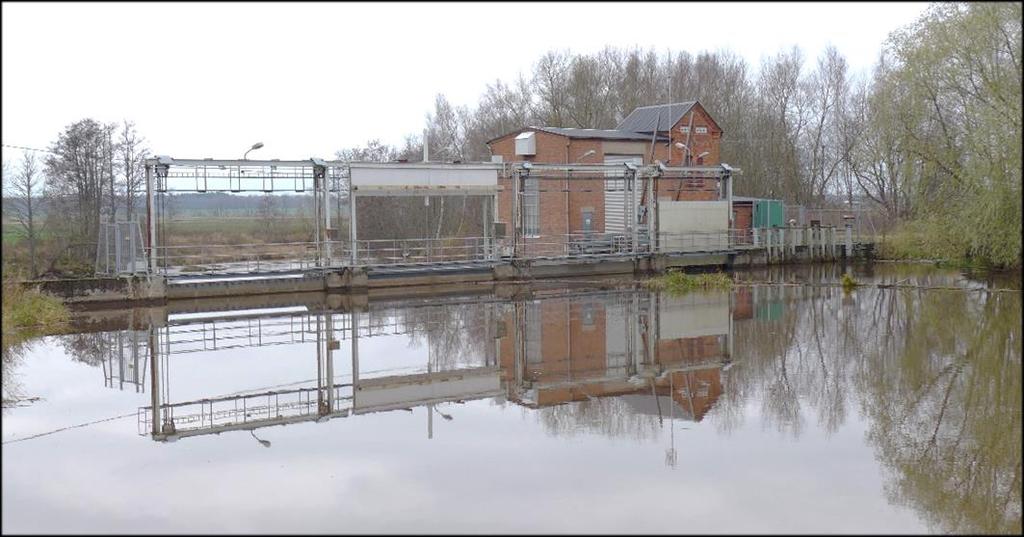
pixel 517 176
pixel 354 322
pixel 320 171
pixel 154 371
pixel 151 218
pixel 330 344
pixel 352 221
pixel 485 206
pixel 755 237
pixel 633 227
pixel 656 238
pixel 728 196
pixel 493 200
pixel 649 186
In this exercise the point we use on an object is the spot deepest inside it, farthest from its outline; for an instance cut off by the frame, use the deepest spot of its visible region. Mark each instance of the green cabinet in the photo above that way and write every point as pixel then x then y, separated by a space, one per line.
pixel 768 213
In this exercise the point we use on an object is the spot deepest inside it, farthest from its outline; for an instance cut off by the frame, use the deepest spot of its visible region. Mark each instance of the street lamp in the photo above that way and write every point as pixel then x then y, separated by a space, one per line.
pixel 686 158
pixel 256 145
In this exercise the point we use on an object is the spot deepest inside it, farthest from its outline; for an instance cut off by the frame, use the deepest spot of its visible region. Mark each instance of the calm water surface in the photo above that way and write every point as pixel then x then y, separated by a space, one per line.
pixel 767 408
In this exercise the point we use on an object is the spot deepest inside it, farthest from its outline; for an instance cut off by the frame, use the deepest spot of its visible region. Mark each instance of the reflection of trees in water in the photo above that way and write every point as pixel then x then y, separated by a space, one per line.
pixel 13 352
pixel 609 416
pixel 89 349
pixel 455 334
pixel 936 373
pixel 789 363
pixel 944 401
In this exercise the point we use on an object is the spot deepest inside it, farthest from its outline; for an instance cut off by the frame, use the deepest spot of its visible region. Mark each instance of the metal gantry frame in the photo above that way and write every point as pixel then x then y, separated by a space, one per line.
pixel 331 186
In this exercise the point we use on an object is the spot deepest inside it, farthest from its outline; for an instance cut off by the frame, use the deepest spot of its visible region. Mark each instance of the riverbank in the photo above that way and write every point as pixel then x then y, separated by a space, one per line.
pixel 29 312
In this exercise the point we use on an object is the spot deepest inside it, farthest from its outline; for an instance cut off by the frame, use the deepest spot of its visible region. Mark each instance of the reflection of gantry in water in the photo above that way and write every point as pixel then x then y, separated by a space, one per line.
pixel 535 353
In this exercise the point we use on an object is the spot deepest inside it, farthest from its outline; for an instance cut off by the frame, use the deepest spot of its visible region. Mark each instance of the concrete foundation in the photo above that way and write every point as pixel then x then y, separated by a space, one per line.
pixel 426 280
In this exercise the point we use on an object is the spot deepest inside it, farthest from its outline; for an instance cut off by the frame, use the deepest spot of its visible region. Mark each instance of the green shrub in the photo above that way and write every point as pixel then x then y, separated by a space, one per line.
pixel 680 282
pixel 30 312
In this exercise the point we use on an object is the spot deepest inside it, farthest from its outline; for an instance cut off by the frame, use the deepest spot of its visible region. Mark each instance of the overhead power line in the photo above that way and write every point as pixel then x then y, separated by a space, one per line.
pixel 30 148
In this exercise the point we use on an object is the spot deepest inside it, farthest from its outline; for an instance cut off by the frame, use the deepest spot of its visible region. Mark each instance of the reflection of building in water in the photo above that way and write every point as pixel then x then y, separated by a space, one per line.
pixel 628 344
pixel 535 353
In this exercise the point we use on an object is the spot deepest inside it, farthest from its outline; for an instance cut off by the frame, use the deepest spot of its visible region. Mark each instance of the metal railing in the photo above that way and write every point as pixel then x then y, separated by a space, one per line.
pixel 300 256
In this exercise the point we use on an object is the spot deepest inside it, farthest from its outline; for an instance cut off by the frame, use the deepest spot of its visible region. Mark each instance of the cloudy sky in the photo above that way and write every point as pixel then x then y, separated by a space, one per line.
pixel 208 80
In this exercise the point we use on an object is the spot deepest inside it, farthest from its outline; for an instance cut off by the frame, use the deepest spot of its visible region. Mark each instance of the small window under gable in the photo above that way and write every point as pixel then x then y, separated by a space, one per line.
pixel 684 129
pixel 701 130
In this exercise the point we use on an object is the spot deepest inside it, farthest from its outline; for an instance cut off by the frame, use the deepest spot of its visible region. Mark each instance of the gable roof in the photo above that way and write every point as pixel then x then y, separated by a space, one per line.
pixel 659 117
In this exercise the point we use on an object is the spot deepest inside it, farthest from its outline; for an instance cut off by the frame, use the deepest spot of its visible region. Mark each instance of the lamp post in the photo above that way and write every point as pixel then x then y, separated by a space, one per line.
pixel 255 146
pixel 686 155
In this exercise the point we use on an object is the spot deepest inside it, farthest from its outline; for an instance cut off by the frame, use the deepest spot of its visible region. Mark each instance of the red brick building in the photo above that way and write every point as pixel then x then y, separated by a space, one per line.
pixel 683 134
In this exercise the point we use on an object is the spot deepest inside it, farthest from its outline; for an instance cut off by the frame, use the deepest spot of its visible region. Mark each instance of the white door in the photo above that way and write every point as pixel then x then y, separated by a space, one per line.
pixel 615 196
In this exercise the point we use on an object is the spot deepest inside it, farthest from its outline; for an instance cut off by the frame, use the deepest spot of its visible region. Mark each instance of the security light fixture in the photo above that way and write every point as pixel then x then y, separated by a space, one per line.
pixel 255 146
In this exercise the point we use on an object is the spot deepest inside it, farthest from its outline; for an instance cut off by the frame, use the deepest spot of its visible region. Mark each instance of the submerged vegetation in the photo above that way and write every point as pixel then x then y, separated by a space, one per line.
pixel 680 282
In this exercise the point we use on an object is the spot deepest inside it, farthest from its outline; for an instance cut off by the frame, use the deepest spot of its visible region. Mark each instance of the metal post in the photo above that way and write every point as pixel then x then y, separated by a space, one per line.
pixel 485 209
pixel 322 172
pixel 151 219
pixel 631 177
pixel 516 211
pixel 650 215
pixel 155 380
pixel 354 321
pixel 329 340
pixel 352 220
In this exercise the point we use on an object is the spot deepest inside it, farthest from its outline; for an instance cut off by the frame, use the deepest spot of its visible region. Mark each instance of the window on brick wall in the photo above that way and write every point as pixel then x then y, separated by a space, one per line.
pixel 531 207
pixel 684 129
pixel 700 130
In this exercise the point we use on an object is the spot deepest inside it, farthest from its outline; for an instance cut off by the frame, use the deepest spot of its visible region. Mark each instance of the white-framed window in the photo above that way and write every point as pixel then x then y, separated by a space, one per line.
pixel 684 129
pixel 701 130
pixel 531 207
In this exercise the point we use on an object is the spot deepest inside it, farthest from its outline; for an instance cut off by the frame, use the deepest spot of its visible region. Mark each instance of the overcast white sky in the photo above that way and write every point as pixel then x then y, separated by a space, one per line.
pixel 208 80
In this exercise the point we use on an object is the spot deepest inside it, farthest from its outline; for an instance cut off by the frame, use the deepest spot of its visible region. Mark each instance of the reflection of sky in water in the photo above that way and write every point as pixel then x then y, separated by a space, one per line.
pixel 491 468
pixel 495 467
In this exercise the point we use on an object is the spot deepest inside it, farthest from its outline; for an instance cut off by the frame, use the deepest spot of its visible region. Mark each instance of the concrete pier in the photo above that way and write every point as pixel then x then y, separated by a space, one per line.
pixel 820 245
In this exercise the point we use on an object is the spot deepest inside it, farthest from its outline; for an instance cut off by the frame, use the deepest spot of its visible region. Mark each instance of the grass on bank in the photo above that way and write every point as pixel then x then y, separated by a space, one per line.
pixel 681 282
pixel 30 312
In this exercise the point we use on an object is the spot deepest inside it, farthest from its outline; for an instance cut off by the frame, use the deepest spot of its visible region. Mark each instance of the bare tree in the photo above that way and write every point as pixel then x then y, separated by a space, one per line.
pixel 78 176
pixel 131 159
pixel 25 188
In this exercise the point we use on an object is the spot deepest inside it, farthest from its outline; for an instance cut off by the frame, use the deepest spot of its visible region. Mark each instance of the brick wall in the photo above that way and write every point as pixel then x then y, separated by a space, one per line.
pixel 555 204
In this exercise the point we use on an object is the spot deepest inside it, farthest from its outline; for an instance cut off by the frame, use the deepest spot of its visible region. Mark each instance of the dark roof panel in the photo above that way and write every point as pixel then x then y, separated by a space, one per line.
pixel 658 117
pixel 600 134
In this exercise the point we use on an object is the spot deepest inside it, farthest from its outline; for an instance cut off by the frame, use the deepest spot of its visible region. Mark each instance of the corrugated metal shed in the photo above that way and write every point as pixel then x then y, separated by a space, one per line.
pixel 658 117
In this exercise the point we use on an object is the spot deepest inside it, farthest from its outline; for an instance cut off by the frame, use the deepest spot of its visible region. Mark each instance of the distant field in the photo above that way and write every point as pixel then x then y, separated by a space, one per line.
pixel 13 232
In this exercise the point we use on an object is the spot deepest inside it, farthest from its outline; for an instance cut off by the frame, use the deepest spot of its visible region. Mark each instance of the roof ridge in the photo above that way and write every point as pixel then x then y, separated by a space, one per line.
pixel 669 104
